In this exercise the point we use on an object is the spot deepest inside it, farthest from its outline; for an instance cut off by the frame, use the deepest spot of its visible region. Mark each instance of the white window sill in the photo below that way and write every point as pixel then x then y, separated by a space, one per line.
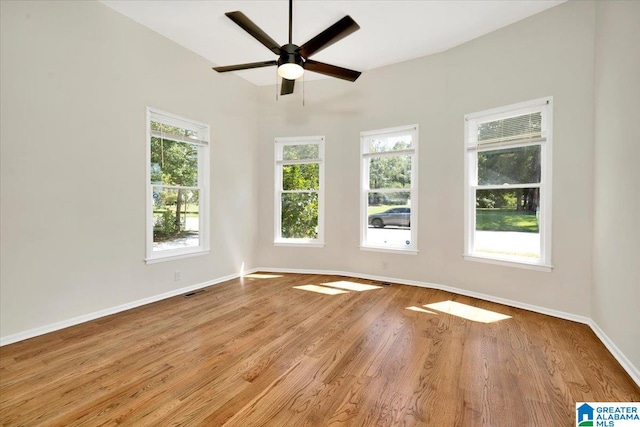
pixel 390 250
pixel 300 243
pixel 171 257
pixel 509 263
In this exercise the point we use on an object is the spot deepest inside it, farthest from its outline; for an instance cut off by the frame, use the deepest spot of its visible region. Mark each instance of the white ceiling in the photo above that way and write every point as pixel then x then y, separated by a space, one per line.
pixel 390 31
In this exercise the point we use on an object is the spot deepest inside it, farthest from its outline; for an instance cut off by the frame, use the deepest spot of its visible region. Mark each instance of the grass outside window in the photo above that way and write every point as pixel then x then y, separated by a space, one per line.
pixel 506 220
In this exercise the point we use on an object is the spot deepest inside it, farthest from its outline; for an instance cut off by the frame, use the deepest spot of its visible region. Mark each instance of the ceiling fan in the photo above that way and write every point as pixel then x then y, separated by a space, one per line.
pixel 294 59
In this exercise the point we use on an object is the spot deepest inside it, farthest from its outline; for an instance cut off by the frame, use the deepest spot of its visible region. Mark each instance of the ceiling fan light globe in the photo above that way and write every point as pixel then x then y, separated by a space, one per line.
pixel 290 71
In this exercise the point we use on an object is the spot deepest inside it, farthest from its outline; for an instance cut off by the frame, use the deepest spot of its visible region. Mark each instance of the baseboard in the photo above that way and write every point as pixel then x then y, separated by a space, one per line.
pixel 21 336
pixel 626 364
pixel 632 370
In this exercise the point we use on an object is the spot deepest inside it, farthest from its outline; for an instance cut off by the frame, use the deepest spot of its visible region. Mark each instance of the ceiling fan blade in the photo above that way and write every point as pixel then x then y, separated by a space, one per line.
pixel 334 33
pixel 287 86
pixel 245 66
pixel 256 32
pixel 331 70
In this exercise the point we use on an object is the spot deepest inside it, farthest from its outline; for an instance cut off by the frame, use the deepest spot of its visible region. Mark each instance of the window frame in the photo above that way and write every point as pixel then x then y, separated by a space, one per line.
pixel 279 144
pixel 203 146
pixel 471 148
pixel 365 189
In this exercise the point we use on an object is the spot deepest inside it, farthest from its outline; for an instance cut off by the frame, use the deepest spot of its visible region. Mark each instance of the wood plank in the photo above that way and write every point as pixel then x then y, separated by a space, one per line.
pixel 256 351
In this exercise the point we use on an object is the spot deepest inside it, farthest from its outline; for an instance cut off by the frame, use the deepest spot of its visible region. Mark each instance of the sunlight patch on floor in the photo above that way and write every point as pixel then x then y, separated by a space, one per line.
pixel 467 311
pixel 351 286
pixel 420 309
pixel 336 288
pixel 262 276
pixel 321 289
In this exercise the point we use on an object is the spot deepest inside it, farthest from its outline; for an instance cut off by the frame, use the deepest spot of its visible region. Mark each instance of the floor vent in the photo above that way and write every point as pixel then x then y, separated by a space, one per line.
pixel 380 283
pixel 194 293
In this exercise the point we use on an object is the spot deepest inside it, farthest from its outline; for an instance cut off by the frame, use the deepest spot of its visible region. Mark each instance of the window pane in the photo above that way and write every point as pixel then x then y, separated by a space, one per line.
pixel 390 172
pixel 300 215
pixel 389 219
pixel 507 222
pixel 527 126
pixel 301 152
pixel 509 166
pixel 176 218
pixel 173 162
pixel 394 143
pixel 301 177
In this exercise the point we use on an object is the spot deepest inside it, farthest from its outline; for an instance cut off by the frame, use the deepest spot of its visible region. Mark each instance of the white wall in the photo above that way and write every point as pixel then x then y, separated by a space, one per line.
pixel 76 79
pixel 616 286
pixel 551 53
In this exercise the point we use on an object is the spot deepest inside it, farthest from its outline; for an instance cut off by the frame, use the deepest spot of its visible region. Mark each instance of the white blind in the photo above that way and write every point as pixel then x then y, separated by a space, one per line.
pixel 169 126
pixel 518 128
pixel 180 138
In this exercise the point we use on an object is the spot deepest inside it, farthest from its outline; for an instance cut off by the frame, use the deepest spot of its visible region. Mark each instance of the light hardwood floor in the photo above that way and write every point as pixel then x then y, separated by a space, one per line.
pixel 256 351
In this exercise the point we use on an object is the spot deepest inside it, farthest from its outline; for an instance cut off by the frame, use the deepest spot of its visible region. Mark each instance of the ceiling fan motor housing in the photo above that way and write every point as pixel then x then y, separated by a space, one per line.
pixel 290 55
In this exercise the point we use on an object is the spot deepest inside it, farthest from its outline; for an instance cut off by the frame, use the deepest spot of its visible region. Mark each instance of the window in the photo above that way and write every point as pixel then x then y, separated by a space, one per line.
pixel 389 189
pixel 177 186
pixel 299 191
pixel 508 184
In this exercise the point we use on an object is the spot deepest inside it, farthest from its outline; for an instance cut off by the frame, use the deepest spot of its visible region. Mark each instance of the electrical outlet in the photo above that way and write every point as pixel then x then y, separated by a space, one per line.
pixel 176 276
